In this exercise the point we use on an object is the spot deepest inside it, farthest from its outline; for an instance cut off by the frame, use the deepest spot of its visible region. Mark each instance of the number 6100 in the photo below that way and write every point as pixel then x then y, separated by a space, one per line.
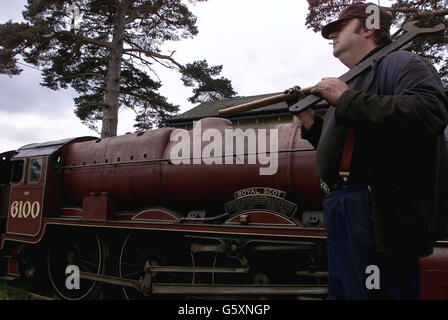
pixel 20 209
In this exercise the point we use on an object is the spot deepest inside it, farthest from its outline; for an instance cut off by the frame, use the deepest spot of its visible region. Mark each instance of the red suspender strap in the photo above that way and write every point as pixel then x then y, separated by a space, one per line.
pixel 347 153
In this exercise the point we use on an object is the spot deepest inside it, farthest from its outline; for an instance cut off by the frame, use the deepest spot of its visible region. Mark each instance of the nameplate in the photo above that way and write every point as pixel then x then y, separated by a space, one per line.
pixel 260 198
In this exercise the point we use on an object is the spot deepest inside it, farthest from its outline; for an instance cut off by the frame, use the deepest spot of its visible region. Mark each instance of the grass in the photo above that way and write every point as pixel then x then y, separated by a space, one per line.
pixel 9 292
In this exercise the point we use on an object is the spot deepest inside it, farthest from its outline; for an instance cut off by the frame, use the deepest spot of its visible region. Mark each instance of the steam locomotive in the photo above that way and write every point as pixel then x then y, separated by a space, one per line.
pixel 123 211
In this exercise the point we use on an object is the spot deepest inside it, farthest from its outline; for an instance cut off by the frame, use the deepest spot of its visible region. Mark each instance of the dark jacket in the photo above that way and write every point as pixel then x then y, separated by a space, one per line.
pixel 399 111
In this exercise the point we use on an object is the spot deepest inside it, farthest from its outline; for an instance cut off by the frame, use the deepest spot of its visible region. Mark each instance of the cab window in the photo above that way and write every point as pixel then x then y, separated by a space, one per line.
pixel 18 167
pixel 35 170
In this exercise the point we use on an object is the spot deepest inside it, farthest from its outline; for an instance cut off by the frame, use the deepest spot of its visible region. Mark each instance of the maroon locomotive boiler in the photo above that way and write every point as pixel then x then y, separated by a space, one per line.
pixel 172 212
pixel 140 170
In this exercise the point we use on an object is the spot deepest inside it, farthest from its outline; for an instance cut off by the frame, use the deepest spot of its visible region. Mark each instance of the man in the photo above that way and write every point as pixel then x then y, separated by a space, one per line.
pixel 384 213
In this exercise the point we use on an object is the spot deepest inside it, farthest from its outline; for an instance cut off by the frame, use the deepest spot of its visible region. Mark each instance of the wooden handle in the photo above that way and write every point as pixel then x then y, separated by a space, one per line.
pixel 262 102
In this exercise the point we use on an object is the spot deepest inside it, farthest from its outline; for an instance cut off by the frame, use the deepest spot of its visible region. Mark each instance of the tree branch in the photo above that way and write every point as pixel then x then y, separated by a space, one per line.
pixel 419 13
pixel 155 55
pixel 134 95
pixel 134 13
pixel 146 63
pixel 80 75
pixel 87 40
pixel 151 54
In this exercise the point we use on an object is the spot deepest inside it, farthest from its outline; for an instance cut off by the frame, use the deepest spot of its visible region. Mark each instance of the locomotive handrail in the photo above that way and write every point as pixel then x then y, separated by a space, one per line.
pixel 186 158
pixel 186 219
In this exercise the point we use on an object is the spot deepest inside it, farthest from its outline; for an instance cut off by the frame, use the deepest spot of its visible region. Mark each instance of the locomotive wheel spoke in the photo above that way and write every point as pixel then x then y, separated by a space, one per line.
pixel 131 275
pixel 139 250
pixel 88 263
pixel 84 251
pixel 88 256
pixel 132 264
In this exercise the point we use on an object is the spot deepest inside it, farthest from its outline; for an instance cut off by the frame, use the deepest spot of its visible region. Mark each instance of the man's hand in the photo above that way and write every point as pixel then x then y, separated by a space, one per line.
pixel 307 116
pixel 296 93
pixel 331 89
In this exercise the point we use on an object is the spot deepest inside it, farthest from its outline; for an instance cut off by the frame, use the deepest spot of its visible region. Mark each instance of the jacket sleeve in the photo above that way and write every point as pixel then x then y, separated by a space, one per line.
pixel 314 132
pixel 418 102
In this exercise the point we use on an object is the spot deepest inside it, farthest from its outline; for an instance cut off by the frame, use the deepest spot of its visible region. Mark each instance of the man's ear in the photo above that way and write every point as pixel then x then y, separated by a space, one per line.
pixel 368 33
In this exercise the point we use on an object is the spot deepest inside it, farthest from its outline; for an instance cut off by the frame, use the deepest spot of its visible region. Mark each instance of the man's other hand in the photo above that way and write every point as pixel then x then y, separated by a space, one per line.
pixel 307 118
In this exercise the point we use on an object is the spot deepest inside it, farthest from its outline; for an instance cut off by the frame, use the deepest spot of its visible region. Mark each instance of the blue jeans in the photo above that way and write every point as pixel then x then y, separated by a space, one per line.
pixel 351 249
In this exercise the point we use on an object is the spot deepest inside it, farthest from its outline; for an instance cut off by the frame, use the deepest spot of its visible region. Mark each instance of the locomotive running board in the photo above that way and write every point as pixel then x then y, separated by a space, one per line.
pixel 179 288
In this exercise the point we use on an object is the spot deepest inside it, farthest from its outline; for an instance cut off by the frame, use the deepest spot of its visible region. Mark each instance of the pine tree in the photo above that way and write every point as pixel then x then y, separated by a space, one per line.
pixel 106 59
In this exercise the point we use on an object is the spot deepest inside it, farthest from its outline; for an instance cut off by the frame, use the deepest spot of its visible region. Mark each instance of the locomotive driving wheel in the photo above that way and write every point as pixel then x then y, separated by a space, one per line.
pixel 140 251
pixel 84 251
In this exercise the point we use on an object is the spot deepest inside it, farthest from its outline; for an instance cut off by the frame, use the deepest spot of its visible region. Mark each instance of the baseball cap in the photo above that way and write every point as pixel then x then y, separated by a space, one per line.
pixel 356 10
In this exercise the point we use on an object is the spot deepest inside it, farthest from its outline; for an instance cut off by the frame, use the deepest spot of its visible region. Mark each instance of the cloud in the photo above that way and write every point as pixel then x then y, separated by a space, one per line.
pixel 24 94
pixel 11 10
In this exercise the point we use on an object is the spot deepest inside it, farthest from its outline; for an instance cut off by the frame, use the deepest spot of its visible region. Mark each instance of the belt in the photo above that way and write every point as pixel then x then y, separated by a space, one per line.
pixel 329 188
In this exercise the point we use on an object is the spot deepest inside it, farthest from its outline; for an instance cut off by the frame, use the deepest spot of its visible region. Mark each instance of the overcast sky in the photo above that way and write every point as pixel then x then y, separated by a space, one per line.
pixel 263 45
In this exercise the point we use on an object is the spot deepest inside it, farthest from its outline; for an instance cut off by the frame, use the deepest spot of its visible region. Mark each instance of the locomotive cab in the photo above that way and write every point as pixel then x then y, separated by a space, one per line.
pixel 31 181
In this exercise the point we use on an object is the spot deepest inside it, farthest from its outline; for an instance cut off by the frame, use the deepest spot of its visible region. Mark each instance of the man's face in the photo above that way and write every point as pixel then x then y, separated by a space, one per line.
pixel 345 39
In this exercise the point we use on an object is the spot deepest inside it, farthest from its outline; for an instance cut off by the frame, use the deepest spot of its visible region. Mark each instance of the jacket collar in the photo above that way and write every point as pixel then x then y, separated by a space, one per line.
pixel 371 53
